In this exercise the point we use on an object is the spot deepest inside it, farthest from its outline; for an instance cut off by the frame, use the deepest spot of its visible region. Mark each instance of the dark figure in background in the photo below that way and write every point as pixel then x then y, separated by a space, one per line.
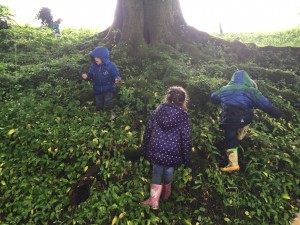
pixel 238 99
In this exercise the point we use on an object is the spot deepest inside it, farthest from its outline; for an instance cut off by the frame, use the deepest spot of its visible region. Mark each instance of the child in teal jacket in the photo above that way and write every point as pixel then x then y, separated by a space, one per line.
pixel 238 100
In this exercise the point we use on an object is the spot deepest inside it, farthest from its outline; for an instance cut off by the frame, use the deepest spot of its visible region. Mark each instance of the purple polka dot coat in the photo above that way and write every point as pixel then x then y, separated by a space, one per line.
pixel 167 140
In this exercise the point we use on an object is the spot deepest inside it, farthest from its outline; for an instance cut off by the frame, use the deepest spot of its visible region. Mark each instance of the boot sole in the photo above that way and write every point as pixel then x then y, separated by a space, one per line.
pixel 230 169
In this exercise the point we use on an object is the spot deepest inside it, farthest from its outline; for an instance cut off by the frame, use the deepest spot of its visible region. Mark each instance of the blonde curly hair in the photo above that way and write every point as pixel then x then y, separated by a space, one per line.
pixel 178 96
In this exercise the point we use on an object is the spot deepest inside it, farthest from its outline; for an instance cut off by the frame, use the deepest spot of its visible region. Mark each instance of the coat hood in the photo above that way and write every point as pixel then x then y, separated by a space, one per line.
pixel 168 116
pixel 102 53
pixel 241 77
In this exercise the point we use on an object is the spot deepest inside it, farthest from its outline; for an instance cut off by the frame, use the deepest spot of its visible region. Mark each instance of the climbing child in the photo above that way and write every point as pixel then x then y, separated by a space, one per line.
pixel 167 143
pixel 56 27
pixel 104 75
pixel 238 100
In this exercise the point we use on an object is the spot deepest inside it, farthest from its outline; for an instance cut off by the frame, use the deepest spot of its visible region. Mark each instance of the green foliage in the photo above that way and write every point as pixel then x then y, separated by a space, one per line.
pixel 50 134
pixel 277 38
pixel 6 17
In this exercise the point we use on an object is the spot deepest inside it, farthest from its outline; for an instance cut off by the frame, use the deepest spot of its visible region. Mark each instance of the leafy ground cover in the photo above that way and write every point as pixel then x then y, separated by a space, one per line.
pixel 277 38
pixel 50 135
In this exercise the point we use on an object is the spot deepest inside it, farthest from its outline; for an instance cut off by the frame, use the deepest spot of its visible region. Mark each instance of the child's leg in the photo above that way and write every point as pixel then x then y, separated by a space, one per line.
pixel 231 140
pixel 155 187
pixel 231 150
pixel 157 174
pixel 99 102
pixel 242 132
pixel 108 100
pixel 168 178
pixel 108 103
pixel 168 174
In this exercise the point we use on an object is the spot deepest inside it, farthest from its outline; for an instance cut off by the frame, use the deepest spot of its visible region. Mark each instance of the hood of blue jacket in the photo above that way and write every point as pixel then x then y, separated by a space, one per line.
pixel 241 77
pixel 102 53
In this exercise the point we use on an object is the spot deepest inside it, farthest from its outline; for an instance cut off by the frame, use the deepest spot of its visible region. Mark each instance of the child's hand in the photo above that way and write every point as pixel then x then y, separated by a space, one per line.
pixel 84 76
pixel 117 81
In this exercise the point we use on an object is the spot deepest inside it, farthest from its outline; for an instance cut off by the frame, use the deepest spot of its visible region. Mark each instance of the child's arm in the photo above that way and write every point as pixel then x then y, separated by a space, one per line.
pixel 264 104
pixel 147 137
pixel 115 73
pixel 89 75
pixel 117 81
pixel 186 143
pixel 215 98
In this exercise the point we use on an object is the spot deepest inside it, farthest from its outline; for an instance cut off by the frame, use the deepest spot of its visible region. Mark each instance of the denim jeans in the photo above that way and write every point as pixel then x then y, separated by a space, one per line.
pixel 104 100
pixel 231 140
pixel 162 174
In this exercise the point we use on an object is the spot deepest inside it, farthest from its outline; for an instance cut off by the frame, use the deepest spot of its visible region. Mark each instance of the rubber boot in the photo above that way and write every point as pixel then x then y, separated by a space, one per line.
pixel 112 115
pixel 233 164
pixel 242 132
pixel 166 192
pixel 153 200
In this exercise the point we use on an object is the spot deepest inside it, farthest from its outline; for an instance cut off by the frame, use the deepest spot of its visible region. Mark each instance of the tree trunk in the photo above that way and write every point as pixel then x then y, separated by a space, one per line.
pixel 140 22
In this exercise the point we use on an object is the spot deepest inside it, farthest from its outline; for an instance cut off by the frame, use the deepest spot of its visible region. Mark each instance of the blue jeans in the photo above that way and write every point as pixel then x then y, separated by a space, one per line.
pixel 104 100
pixel 231 140
pixel 162 174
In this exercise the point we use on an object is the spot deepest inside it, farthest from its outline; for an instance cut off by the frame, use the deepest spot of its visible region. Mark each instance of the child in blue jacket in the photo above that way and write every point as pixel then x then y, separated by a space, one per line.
pixel 104 75
pixel 167 143
pixel 238 100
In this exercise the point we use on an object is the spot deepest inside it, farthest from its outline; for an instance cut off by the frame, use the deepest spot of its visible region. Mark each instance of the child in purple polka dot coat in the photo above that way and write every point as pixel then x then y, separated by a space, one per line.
pixel 167 143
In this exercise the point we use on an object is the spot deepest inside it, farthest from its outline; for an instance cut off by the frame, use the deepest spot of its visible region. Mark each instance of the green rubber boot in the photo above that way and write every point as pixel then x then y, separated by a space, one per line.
pixel 233 164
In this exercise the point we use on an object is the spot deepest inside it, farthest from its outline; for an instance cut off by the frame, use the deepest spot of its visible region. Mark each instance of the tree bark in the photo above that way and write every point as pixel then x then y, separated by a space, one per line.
pixel 141 22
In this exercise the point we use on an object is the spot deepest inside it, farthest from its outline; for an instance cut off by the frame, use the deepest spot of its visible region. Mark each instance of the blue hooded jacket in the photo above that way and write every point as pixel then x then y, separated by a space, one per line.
pixel 103 75
pixel 238 99
pixel 167 140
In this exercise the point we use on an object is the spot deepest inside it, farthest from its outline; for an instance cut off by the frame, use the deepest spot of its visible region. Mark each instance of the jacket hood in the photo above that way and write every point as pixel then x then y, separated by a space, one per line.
pixel 102 53
pixel 241 77
pixel 168 116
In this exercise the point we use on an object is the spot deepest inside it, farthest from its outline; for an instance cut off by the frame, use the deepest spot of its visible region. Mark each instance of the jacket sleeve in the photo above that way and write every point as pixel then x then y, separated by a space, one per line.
pixel 186 142
pixel 114 71
pixel 147 137
pixel 215 97
pixel 90 74
pixel 264 104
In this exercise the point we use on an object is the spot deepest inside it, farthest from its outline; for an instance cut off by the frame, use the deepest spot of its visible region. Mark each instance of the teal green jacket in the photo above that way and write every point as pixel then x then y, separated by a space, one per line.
pixel 238 100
